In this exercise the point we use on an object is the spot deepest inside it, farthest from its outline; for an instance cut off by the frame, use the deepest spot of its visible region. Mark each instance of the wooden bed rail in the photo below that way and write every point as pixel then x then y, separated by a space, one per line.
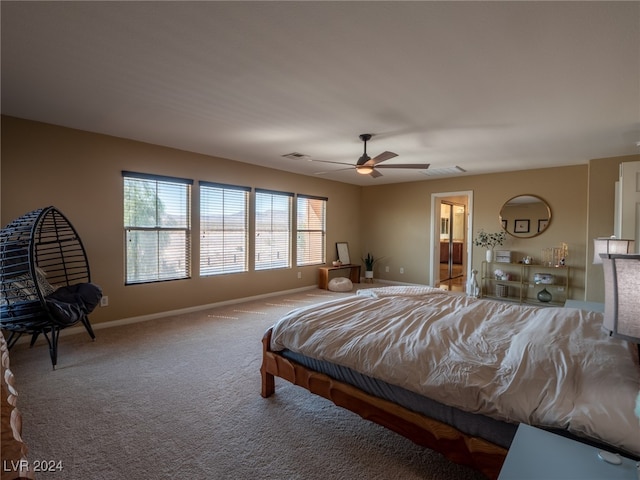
pixel 475 452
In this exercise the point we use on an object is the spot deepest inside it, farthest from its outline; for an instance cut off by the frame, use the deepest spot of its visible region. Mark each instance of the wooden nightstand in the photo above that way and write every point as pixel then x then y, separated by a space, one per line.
pixel 541 455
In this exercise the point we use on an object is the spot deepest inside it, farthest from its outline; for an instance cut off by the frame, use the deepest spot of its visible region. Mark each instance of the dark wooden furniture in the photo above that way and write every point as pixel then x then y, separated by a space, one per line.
pixel 456 254
pixel 458 447
pixel 323 274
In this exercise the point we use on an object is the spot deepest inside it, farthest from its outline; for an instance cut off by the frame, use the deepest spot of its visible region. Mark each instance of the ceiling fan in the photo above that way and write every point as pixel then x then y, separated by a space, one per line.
pixel 368 166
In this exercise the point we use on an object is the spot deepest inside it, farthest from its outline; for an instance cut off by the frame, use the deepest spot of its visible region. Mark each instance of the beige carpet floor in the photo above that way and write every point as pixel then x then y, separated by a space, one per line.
pixel 179 397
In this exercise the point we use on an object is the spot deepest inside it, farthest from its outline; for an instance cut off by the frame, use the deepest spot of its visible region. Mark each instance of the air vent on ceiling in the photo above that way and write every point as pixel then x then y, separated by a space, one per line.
pixel 296 156
pixel 437 172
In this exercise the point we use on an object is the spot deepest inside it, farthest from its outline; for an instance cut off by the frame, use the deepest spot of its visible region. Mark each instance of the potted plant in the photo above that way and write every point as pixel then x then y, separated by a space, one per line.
pixel 488 241
pixel 369 262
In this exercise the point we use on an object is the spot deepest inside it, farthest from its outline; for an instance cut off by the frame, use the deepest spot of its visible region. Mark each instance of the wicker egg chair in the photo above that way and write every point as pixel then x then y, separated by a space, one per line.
pixel 45 280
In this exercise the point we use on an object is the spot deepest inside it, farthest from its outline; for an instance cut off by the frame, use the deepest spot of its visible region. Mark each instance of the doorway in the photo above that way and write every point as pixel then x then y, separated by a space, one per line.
pixel 452 240
pixel 451 223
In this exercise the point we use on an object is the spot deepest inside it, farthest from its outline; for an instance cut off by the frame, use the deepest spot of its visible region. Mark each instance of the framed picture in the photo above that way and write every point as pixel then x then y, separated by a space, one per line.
pixel 343 252
pixel 542 224
pixel 504 224
pixel 521 226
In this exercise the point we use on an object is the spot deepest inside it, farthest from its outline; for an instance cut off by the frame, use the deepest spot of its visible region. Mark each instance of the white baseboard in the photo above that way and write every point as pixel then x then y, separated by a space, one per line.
pixel 79 328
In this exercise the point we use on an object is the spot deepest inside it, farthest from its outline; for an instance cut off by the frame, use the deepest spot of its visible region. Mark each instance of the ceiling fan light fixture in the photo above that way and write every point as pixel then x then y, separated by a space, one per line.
pixel 364 169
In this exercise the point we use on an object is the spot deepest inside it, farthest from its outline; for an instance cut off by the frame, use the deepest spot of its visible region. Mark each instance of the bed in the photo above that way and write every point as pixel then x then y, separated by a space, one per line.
pixel 458 374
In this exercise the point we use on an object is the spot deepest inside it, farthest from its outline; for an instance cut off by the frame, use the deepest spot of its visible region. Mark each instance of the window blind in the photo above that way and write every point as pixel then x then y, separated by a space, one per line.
pixel 311 230
pixel 157 228
pixel 223 228
pixel 273 230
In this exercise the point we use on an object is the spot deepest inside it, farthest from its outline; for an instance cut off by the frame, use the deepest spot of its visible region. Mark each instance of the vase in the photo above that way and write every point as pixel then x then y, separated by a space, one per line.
pixel 489 255
pixel 544 295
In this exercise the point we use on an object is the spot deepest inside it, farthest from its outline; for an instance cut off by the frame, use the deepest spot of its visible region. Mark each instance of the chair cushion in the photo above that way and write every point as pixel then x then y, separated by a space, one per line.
pixel 69 304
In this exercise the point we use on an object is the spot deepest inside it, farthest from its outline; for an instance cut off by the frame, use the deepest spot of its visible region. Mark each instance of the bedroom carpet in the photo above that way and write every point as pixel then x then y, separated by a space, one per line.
pixel 179 397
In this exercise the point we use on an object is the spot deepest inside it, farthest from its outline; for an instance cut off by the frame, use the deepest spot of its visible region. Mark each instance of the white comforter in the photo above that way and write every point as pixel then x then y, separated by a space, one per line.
pixel 537 365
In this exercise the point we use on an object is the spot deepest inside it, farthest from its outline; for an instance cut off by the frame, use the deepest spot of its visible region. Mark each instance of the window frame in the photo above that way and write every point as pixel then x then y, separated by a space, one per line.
pixel 261 265
pixel 203 186
pixel 163 233
pixel 322 242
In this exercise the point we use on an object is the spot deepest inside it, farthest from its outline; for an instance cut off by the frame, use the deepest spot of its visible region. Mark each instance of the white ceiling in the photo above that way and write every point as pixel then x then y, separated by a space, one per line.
pixel 487 86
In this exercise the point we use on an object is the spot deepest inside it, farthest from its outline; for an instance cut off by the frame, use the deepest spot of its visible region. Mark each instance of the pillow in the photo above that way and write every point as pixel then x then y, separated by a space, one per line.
pixel 25 288
pixel 340 284
pixel 45 287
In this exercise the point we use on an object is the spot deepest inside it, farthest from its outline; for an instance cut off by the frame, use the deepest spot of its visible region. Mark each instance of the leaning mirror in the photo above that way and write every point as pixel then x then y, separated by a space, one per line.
pixel 343 252
pixel 525 216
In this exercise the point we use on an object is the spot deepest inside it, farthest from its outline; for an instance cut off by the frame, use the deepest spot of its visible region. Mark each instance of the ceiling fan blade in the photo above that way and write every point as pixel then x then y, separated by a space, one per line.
pixel 375 174
pixel 417 166
pixel 383 157
pixel 331 171
pixel 336 163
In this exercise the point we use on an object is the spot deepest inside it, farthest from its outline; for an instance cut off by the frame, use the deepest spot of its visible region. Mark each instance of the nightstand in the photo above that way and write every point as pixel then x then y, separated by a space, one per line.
pixel 536 454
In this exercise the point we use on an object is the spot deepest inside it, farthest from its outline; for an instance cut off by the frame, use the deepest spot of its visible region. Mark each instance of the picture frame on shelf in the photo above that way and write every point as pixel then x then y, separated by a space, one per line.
pixel 521 226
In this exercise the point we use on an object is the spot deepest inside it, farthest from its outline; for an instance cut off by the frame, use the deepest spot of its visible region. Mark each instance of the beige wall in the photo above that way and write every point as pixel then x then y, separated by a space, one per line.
pixel 400 229
pixel 80 173
pixel 581 199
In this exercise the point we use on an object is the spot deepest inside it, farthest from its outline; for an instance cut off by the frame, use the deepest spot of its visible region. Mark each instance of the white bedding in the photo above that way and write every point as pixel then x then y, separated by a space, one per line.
pixel 552 367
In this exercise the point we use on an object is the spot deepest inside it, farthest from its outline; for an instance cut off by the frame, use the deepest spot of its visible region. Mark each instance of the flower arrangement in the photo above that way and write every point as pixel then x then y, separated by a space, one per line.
pixel 489 240
pixel 500 275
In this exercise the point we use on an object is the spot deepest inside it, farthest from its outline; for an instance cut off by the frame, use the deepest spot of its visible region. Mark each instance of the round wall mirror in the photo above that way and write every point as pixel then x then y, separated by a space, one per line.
pixel 525 216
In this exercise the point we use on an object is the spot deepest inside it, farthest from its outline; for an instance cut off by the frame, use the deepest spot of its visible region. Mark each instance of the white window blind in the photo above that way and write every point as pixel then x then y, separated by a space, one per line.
pixel 311 230
pixel 273 230
pixel 223 228
pixel 157 228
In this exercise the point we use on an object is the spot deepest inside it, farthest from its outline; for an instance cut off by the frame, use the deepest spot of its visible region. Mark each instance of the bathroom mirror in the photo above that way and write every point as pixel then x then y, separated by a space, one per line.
pixel 525 216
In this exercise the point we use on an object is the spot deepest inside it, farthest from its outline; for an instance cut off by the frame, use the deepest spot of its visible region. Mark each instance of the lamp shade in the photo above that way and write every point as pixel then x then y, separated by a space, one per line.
pixel 622 295
pixel 611 245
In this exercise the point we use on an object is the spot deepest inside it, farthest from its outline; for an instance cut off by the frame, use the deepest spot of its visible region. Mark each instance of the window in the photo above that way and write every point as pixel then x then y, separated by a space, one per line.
pixel 273 230
pixel 311 230
pixel 157 228
pixel 223 228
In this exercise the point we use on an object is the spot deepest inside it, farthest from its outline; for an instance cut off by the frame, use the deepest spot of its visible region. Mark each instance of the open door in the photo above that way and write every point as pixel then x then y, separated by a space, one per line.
pixel 452 240
pixel 450 252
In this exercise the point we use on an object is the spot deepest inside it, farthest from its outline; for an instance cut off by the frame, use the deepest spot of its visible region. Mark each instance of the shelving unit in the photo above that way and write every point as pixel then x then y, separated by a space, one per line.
pixel 520 286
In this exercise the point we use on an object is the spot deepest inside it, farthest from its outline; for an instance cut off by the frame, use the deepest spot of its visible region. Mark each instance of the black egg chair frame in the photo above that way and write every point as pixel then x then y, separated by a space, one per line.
pixel 45 279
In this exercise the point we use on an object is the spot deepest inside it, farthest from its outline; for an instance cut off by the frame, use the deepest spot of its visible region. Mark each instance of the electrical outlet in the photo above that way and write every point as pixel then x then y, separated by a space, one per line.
pixel 299 274
pixel 401 269
pixel 104 301
pixel 386 269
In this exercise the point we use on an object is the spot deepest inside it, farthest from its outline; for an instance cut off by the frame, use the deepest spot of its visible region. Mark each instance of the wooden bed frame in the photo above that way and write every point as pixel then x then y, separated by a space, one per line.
pixel 458 447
